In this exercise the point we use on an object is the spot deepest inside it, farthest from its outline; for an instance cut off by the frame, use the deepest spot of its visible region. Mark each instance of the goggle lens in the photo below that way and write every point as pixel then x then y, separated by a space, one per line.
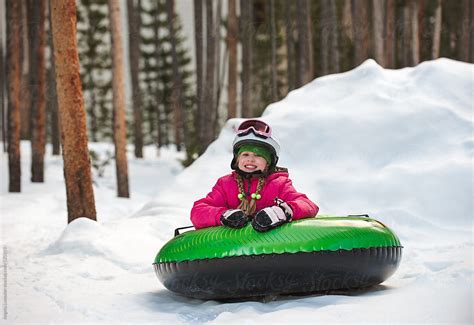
pixel 258 127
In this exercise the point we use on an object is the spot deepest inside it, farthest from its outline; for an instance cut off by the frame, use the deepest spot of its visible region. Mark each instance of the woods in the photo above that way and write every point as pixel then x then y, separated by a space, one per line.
pixel 166 87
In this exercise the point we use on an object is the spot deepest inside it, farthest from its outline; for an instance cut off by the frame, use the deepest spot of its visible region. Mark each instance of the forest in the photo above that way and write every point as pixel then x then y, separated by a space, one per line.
pixel 66 67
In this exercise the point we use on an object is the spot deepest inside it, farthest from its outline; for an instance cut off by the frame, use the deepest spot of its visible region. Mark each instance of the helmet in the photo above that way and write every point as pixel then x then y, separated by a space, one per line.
pixel 259 133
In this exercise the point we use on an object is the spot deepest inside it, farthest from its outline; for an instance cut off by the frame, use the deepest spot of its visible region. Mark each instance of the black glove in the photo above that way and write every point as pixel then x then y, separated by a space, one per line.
pixel 235 218
pixel 272 217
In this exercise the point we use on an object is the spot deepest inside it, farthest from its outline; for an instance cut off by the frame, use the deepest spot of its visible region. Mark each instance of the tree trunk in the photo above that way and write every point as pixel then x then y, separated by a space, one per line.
pixel 334 58
pixel 421 30
pixel 290 47
pixel 217 69
pixel 118 89
pixel 378 30
pixel 389 44
pixel 465 31
pixel 347 21
pixel 37 72
pixel 134 22
pixel 177 96
pixel 159 97
pixel 4 118
pixel 324 37
pixel 407 34
pixel 77 169
pixel 415 40
pixel 273 37
pixel 437 30
pixel 247 35
pixel 329 38
pixel 200 77
pixel 305 42
pixel 52 95
pixel 232 45
pixel 471 32
pixel 25 79
pixel 360 19
pixel 13 70
pixel 210 76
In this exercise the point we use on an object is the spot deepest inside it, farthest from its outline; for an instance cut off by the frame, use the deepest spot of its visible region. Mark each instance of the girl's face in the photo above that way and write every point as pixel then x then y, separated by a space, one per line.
pixel 251 162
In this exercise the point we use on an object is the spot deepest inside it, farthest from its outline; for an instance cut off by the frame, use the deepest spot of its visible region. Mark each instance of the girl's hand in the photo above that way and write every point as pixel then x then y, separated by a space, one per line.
pixel 271 217
pixel 234 218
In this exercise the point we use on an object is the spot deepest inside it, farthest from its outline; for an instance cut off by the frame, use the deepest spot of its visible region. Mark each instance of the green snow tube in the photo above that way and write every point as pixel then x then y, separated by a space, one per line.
pixel 305 256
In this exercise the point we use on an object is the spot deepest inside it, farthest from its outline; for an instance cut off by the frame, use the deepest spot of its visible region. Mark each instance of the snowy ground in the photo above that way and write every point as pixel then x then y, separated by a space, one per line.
pixel 397 144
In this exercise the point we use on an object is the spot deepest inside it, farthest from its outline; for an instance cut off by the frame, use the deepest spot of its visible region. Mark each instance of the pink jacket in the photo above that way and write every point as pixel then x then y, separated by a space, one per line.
pixel 206 212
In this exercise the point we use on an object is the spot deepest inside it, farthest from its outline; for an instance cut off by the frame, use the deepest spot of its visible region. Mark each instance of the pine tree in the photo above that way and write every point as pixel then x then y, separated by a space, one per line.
pixel 156 77
pixel 94 53
pixel 270 68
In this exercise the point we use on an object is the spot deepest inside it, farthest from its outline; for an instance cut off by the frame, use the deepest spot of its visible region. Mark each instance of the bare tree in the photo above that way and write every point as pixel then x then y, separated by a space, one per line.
pixel 247 34
pixel 13 67
pixel 232 45
pixel 118 89
pixel 77 168
pixel 378 31
pixel 37 72
pixel 134 22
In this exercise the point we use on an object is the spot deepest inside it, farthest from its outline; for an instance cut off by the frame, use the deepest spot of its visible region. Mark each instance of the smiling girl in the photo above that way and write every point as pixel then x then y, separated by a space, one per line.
pixel 257 190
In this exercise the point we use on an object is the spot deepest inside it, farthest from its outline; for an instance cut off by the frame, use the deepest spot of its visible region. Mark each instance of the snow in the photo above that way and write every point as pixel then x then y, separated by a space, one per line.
pixel 396 144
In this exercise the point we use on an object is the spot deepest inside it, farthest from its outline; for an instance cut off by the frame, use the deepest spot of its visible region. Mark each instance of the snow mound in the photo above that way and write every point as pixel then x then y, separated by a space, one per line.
pixel 81 236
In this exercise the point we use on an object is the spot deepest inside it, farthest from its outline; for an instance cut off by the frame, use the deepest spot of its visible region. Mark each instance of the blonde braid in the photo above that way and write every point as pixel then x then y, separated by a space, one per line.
pixel 249 207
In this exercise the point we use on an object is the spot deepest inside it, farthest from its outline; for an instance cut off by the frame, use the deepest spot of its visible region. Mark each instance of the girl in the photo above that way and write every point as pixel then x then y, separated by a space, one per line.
pixel 257 190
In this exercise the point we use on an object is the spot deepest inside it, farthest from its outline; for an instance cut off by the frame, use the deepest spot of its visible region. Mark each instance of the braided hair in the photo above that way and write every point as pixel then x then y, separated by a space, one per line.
pixel 249 207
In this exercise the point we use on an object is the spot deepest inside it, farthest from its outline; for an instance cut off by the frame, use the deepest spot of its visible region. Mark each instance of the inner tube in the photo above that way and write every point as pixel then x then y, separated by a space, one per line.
pixel 305 256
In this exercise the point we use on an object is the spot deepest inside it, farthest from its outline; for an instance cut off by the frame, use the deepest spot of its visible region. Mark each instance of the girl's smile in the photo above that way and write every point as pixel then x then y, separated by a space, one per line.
pixel 251 162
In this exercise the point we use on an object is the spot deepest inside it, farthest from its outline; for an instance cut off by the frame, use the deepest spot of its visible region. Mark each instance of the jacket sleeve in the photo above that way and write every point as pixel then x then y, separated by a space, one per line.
pixel 207 211
pixel 300 204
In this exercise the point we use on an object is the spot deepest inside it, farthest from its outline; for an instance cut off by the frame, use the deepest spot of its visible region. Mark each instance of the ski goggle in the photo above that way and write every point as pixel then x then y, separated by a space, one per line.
pixel 259 128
